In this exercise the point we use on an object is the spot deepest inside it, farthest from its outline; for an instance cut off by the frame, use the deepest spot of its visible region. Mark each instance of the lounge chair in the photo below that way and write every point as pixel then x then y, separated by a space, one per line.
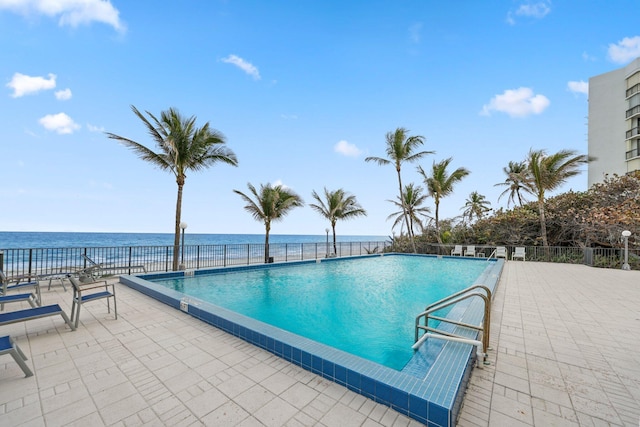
pixel 471 251
pixel 501 252
pixel 98 270
pixel 8 346
pixel 7 286
pixel 518 253
pixel 30 298
pixel 457 251
pixel 81 296
pixel 34 313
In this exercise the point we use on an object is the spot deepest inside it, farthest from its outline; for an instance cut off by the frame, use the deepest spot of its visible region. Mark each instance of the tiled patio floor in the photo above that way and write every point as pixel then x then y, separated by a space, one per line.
pixel 565 338
pixel 567 350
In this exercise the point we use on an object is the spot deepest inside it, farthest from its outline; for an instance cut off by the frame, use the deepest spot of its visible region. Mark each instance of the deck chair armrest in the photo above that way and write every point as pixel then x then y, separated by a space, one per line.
pixel 94 285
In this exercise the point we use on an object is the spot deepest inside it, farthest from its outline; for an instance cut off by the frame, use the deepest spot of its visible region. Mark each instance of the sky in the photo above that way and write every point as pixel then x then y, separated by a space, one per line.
pixel 302 91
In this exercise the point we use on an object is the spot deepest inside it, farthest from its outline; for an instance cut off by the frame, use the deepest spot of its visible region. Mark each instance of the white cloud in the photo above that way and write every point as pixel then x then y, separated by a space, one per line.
pixel 278 182
pixel 60 123
pixel 625 50
pixel 519 102
pixel 93 128
pixel 63 95
pixel 25 85
pixel 578 87
pixel 70 12
pixel 347 149
pixel 245 66
pixel 533 10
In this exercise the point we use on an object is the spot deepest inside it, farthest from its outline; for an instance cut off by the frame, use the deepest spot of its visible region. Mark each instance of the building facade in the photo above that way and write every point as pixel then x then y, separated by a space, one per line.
pixel 614 122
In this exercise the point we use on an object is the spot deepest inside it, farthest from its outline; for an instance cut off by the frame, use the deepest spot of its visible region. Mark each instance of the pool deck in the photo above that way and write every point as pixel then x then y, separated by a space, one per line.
pixel 565 344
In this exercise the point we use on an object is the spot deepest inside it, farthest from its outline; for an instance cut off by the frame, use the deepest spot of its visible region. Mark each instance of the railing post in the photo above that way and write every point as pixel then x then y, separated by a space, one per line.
pixel 130 250
pixel 1 260
pixel 198 256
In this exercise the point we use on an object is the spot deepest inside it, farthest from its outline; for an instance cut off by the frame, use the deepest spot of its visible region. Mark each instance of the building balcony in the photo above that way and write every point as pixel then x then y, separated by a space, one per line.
pixel 633 111
pixel 633 90
pixel 633 132
pixel 631 154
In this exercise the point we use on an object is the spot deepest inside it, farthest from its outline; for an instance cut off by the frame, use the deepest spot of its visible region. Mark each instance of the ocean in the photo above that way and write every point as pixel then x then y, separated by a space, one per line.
pixel 25 240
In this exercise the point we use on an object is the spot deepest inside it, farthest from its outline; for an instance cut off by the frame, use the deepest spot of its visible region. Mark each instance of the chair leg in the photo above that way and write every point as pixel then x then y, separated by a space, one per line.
pixel 77 316
pixel 19 357
pixel 115 307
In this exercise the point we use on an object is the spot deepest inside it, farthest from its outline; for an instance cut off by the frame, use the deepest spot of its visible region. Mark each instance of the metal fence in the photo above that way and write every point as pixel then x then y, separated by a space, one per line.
pixel 34 262
pixel 594 257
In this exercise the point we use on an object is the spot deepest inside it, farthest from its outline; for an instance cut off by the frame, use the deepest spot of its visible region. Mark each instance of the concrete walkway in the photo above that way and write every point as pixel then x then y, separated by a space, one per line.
pixel 566 352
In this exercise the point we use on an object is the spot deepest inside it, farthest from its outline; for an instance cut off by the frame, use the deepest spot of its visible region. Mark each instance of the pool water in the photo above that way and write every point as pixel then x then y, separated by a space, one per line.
pixel 366 306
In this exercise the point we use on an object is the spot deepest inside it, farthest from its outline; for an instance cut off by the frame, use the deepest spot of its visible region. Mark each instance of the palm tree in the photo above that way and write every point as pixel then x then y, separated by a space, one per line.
pixel 515 172
pixel 476 206
pixel 440 184
pixel 414 200
pixel 182 147
pixel 400 149
pixel 339 205
pixel 547 173
pixel 271 203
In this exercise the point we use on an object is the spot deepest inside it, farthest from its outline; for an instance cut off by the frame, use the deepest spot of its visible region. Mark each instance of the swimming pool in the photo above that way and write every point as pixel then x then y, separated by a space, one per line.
pixel 430 387
pixel 365 307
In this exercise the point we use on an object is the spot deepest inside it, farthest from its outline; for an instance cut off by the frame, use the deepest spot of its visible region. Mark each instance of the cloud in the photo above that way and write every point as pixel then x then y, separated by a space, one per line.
pixel 245 66
pixel 415 32
pixel 532 10
pixel 93 128
pixel 578 87
pixel 26 85
pixel 59 123
pixel 347 149
pixel 519 102
pixel 63 95
pixel 625 50
pixel 70 12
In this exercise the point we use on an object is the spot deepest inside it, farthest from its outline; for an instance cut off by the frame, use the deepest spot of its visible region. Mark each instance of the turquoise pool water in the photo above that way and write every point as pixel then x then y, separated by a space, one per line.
pixel 366 306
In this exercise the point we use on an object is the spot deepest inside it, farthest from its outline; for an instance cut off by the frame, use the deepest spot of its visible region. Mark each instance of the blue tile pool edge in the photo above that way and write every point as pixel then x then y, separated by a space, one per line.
pixel 434 400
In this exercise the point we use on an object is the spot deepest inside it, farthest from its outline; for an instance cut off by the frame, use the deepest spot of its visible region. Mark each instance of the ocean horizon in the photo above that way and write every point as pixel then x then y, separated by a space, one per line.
pixel 59 239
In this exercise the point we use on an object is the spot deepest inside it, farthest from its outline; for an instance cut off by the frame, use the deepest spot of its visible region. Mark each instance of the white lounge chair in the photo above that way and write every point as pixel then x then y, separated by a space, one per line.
pixel 518 253
pixel 457 251
pixel 471 251
pixel 501 252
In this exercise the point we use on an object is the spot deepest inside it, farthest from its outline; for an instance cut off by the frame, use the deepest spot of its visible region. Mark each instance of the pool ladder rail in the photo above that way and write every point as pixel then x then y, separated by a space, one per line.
pixel 429 332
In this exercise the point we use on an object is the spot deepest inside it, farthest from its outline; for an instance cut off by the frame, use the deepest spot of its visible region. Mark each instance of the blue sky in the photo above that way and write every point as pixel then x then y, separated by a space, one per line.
pixel 303 92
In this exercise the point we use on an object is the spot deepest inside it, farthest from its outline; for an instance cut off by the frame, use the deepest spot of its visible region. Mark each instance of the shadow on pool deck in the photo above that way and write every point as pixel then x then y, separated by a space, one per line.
pixel 565 341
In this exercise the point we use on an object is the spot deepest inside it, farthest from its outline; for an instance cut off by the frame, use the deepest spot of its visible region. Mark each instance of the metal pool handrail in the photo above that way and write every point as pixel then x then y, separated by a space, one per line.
pixel 451 300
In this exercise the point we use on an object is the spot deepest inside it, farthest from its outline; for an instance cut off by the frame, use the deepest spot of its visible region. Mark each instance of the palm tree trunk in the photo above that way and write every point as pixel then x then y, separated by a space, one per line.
pixel 543 224
pixel 437 203
pixel 335 247
pixel 176 240
pixel 267 227
pixel 404 212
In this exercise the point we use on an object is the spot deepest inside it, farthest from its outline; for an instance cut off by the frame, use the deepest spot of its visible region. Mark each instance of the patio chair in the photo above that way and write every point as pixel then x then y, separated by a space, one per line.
pixel 501 252
pixel 8 346
pixel 34 313
pixel 518 254
pixel 7 286
pixel 457 251
pixel 96 290
pixel 471 251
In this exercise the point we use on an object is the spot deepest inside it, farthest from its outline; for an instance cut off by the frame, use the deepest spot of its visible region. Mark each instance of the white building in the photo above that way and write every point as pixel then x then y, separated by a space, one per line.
pixel 614 122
